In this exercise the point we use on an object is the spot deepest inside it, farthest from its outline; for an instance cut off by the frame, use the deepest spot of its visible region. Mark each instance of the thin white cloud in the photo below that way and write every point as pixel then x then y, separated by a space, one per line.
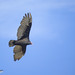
pixel 43 33
pixel 7 33
pixel 28 4
pixel 40 31
pixel 36 32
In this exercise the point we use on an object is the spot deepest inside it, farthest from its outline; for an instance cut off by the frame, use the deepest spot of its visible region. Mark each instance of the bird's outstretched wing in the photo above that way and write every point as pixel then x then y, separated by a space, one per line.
pixel 24 28
pixel 19 51
pixel 1 71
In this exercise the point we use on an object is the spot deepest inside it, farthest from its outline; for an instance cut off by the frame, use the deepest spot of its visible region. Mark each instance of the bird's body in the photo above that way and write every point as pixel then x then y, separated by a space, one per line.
pixel 22 37
pixel 24 41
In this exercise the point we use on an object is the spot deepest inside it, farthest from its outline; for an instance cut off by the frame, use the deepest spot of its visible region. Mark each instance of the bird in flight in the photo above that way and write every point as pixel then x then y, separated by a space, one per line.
pixel 22 37
pixel 1 71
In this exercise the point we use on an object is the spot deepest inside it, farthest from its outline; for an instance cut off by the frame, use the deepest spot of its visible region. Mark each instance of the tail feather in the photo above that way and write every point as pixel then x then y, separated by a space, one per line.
pixel 11 43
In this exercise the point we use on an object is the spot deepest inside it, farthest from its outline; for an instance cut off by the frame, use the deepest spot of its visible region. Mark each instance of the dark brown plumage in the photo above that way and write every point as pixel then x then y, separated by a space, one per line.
pixel 22 37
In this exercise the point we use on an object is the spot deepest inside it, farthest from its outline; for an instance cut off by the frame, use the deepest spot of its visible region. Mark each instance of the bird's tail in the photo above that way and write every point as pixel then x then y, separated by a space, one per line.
pixel 11 43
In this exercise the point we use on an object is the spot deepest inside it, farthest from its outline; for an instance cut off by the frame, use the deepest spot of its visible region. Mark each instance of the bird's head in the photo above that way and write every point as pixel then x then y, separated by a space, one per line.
pixel 29 43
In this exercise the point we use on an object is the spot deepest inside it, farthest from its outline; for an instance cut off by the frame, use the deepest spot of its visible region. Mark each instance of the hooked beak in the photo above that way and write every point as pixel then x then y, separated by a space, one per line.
pixel 31 43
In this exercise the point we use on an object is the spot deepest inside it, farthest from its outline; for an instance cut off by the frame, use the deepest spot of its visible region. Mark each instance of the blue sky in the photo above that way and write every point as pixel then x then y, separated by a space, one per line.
pixel 52 35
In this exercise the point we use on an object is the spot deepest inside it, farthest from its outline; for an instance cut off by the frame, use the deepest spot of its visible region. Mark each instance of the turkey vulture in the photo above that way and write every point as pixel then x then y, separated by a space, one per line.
pixel 22 37
pixel 1 71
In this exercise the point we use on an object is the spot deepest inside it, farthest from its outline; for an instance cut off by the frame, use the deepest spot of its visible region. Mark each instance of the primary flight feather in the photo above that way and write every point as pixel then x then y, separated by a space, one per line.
pixel 22 37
